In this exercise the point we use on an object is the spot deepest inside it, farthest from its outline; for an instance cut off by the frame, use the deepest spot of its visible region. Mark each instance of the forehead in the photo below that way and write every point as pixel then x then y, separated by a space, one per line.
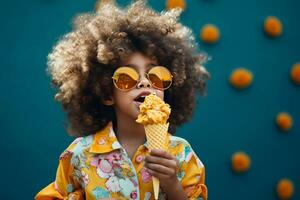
pixel 139 61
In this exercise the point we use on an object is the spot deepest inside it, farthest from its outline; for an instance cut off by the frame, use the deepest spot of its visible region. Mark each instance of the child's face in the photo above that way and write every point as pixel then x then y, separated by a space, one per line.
pixel 125 102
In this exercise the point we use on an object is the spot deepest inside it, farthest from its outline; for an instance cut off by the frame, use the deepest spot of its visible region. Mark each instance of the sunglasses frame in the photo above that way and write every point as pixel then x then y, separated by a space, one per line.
pixel 147 76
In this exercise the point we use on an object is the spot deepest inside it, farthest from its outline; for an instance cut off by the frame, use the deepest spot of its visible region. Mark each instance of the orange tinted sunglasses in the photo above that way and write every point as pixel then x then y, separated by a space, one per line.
pixel 126 78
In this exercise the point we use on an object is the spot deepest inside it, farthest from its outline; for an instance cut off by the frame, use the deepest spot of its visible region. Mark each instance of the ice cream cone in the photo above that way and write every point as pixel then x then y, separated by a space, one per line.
pixel 157 139
pixel 154 113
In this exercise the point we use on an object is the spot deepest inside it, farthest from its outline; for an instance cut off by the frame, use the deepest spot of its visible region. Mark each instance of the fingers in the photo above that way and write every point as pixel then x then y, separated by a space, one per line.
pixel 160 169
pixel 170 163
pixel 161 153
pixel 158 175
pixel 161 163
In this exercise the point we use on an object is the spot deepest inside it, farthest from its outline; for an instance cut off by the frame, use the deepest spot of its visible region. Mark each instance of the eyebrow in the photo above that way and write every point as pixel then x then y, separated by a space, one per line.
pixel 135 66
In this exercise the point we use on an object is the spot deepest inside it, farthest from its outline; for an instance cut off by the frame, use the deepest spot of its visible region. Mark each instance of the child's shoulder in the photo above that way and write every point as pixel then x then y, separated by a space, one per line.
pixel 178 140
pixel 78 146
pixel 183 151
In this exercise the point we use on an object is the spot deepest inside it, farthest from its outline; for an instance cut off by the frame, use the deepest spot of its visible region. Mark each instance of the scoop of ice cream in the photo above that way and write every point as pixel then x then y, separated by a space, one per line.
pixel 153 111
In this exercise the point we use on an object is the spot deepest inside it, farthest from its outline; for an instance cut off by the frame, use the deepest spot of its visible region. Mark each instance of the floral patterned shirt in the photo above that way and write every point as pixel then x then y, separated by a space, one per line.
pixel 97 167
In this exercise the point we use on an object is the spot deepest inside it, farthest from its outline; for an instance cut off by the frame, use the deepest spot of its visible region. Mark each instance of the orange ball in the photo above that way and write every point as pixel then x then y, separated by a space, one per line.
pixel 241 78
pixel 285 189
pixel 240 162
pixel 209 33
pixel 272 26
pixel 295 73
pixel 175 4
pixel 284 121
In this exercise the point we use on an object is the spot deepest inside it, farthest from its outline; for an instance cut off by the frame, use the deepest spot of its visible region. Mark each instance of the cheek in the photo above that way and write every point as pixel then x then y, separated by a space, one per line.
pixel 160 94
pixel 117 96
pixel 121 99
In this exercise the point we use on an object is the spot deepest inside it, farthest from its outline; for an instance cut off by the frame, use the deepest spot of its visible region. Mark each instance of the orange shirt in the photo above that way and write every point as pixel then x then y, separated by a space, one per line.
pixel 97 167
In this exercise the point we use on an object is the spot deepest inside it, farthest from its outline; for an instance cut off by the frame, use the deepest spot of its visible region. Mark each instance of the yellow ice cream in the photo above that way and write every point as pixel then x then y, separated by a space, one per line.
pixel 153 111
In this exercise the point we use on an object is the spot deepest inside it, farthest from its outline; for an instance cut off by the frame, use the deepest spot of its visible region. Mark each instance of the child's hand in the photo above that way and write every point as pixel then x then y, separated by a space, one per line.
pixel 163 166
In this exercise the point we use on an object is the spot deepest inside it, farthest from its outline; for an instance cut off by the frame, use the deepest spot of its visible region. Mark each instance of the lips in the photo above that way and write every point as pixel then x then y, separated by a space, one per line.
pixel 141 97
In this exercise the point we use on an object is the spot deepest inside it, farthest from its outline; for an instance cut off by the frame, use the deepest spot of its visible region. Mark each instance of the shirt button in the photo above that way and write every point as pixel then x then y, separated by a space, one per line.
pixel 139 159
pixel 101 141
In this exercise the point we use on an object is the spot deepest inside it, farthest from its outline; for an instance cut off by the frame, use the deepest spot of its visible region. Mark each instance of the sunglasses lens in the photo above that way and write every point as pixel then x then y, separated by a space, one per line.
pixel 125 78
pixel 160 77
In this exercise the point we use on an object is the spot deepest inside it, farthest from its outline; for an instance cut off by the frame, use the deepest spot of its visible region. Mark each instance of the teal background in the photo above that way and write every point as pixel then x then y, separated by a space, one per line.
pixel 226 120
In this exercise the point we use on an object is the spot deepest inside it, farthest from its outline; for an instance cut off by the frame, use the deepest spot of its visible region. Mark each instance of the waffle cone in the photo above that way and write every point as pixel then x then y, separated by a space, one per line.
pixel 157 139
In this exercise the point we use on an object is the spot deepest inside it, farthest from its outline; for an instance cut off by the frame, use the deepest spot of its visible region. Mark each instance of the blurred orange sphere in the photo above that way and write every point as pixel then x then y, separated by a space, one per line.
pixel 241 78
pixel 175 4
pixel 209 33
pixel 284 121
pixel 295 73
pixel 285 189
pixel 240 162
pixel 272 26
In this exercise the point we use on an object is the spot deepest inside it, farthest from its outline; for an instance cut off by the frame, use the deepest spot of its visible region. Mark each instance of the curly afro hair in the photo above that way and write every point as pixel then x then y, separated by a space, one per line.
pixel 82 62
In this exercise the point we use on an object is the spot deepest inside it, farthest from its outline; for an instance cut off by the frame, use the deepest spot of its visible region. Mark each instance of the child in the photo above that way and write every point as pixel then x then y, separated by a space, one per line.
pixel 103 69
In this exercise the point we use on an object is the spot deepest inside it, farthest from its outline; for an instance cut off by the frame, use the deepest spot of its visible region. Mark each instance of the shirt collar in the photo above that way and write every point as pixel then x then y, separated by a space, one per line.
pixel 106 141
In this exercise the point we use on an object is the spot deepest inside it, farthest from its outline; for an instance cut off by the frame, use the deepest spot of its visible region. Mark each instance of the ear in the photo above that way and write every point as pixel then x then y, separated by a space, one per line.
pixel 108 102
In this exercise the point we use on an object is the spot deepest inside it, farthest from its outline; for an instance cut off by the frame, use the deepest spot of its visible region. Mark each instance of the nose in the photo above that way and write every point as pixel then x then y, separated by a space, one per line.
pixel 144 82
